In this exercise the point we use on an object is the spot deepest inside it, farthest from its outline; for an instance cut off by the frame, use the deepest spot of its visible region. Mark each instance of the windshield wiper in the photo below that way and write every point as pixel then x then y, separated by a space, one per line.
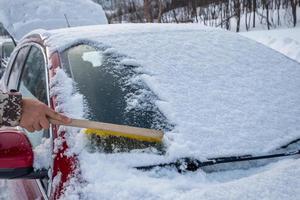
pixel 191 164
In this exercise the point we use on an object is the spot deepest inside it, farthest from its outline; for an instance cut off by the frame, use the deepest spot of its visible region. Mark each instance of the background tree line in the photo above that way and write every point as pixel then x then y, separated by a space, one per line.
pixel 229 14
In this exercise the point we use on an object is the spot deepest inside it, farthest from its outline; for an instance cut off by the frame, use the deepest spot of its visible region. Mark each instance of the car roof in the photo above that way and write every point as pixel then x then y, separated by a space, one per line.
pixel 225 94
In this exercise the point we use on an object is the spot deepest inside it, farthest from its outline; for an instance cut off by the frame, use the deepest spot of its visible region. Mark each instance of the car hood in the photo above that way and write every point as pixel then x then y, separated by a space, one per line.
pixel 22 16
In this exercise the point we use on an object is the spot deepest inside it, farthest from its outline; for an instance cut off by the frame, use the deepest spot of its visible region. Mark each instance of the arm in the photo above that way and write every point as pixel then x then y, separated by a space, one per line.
pixel 28 113
pixel 10 109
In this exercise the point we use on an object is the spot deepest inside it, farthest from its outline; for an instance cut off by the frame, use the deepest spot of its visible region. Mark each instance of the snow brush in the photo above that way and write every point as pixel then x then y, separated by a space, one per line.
pixel 113 137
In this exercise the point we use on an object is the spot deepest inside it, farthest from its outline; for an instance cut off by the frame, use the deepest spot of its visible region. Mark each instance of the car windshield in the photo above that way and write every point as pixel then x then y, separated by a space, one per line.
pixel 110 92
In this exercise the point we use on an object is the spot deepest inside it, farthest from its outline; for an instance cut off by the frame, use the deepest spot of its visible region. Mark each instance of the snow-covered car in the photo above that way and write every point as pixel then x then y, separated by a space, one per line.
pixel 6 47
pixel 214 93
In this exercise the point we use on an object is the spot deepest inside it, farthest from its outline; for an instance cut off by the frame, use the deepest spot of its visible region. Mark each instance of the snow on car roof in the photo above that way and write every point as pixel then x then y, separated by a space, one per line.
pixel 225 94
pixel 22 16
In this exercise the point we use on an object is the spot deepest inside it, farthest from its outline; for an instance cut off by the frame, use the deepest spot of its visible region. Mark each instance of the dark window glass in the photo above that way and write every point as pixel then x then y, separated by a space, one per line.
pixel 33 80
pixel 17 67
pixel 8 47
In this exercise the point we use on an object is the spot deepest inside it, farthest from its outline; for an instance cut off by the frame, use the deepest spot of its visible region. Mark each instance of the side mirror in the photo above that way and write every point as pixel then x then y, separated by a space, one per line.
pixel 16 156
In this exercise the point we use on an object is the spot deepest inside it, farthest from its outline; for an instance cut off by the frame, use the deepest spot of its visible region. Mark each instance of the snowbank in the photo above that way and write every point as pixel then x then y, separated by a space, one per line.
pixel 286 41
pixel 22 16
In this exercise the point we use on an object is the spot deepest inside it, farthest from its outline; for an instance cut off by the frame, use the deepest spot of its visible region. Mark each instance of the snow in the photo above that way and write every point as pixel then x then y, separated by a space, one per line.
pixel 4 39
pixel 22 16
pixel 208 100
pixel 285 41
pixel 71 104
pixel 220 101
pixel 275 181
pixel 42 153
pixel 95 58
pixel 3 190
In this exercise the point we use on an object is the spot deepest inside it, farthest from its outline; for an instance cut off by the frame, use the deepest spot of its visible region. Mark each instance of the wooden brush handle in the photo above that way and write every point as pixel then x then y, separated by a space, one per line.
pixel 80 123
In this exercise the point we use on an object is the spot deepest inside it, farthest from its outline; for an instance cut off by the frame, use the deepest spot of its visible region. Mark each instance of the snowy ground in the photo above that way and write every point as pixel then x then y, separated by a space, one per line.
pixel 286 41
pixel 3 190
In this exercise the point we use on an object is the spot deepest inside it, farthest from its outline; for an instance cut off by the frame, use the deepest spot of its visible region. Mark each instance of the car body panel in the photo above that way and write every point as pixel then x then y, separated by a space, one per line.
pixel 16 147
pixel 63 166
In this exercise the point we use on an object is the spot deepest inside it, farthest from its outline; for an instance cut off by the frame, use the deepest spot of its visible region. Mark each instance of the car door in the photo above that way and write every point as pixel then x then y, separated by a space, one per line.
pixel 29 76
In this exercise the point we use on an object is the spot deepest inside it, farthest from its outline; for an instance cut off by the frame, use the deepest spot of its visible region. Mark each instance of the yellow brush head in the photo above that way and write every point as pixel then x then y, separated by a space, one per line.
pixel 110 141
pixel 106 133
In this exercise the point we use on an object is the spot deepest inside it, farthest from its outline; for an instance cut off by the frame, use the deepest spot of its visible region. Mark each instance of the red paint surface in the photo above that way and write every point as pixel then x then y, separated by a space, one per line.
pixel 15 150
pixel 64 166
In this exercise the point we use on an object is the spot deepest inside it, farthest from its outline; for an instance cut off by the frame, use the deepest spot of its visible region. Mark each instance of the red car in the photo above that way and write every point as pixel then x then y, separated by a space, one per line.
pixel 199 85
pixel 33 63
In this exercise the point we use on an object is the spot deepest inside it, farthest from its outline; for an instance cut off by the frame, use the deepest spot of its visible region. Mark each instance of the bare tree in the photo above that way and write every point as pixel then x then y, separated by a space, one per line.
pixel 237 13
pixel 294 11
pixel 147 10
pixel 254 12
pixel 208 12
pixel 160 10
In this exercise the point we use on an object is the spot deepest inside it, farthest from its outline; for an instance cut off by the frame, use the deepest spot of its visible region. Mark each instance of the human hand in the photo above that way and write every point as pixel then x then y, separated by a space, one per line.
pixel 36 115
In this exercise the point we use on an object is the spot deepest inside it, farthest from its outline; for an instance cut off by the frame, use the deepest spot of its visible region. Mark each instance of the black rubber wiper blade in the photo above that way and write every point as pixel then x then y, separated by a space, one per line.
pixel 192 164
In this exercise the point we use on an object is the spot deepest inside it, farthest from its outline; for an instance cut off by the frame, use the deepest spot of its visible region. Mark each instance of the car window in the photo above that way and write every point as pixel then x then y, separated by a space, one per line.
pixel 106 90
pixel 7 48
pixel 33 84
pixel 16 68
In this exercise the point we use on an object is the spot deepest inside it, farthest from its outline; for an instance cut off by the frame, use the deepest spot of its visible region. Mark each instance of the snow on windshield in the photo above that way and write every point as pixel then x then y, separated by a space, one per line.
pixel 94 57
pixel 22 16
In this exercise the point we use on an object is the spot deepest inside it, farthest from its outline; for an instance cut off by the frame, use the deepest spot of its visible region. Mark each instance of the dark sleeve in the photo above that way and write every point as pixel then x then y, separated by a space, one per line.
pixel 10 109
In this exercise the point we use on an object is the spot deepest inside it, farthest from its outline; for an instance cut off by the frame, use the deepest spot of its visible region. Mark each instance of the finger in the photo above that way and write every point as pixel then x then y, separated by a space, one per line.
pixel 29 128
pixel 44 123
pixel 56 116
pixel 37 126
